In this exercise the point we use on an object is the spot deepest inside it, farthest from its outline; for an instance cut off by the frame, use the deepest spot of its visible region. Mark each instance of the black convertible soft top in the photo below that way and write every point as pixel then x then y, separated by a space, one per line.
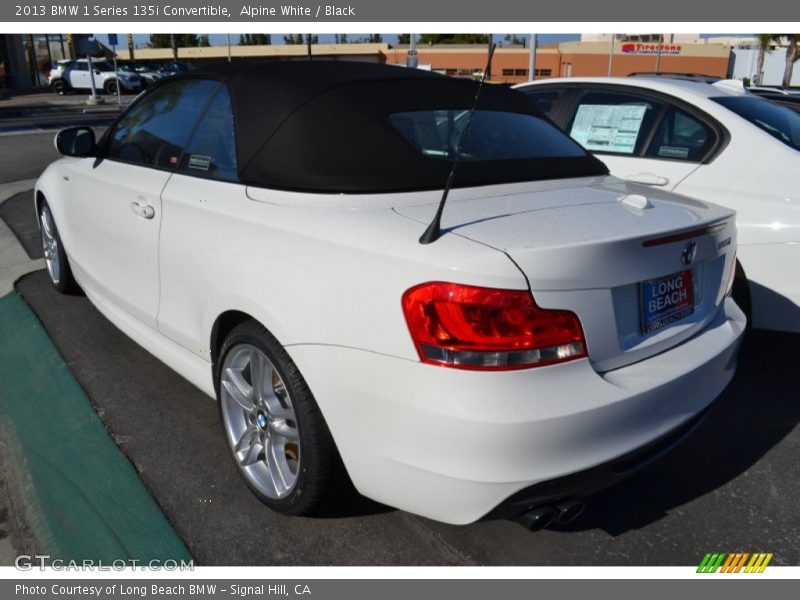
pixel 323 126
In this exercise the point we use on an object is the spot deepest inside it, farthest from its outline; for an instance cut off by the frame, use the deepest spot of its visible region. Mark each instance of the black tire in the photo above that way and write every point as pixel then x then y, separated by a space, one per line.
pixel 60 278
pixel 741 293
pixel 320 471
pixel 110 87
pixel 59 86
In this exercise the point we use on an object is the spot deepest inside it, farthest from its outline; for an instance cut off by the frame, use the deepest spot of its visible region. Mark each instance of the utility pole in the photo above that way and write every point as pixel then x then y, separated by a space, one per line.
pixel 229 47
pixel 532 61
pixel 174 43
pixel 611 55
pixel 308 45
pixel 130 46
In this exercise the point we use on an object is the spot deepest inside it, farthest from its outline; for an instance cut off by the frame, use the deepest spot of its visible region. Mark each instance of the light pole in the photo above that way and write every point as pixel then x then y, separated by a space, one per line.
pixel 112 38
pixel 94 98
pixel 532 60
pixel 411 57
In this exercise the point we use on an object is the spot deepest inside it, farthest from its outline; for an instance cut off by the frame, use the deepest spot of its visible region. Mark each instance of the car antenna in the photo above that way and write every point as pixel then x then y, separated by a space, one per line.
pixel 434 230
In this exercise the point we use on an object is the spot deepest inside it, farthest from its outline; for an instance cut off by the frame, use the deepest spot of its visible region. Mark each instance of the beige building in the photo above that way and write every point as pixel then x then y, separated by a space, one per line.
pixel 363 52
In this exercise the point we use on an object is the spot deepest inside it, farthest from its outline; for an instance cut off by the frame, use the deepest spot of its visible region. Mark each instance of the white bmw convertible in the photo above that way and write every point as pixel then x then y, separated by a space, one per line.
pixel 260 230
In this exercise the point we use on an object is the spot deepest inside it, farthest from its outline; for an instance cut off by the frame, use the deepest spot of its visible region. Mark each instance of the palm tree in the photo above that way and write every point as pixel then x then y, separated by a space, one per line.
pixel 792 55
pixel 765 43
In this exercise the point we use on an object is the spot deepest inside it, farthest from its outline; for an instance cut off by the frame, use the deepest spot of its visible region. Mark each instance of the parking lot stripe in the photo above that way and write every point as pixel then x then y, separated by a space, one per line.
pixel 86 499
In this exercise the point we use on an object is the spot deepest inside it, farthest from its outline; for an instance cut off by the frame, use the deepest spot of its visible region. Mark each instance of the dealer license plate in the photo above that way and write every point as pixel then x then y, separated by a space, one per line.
pixel 666 300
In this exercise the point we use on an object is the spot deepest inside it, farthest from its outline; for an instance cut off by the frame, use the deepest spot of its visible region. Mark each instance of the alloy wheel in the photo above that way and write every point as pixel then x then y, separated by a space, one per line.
pixel 50 245
pixel 259 421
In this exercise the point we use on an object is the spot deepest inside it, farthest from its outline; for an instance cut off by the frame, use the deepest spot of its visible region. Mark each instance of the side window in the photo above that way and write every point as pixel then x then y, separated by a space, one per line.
pixel 546 100
pixel 615 122
pixel 78 66
pixel 681 137
pixel 155 130
pixel 212 149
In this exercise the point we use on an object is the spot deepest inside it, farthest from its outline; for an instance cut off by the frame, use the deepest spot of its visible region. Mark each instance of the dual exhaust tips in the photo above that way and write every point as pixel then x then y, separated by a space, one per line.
pixel 540 517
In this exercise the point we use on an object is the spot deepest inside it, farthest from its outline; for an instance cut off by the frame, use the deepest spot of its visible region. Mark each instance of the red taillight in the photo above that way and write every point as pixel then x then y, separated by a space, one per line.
pixel 469 327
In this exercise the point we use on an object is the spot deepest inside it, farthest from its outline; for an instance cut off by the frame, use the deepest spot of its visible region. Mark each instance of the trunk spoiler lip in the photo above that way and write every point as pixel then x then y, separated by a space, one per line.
pixel 685 235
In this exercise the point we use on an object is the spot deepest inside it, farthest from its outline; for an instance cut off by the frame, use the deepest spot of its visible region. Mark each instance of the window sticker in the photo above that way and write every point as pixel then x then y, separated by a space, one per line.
pixel 673 152
pixel 608 127
pixel 200 162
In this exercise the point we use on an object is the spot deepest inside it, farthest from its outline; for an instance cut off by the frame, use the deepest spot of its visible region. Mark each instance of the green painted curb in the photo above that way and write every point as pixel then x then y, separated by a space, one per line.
pixel 86 498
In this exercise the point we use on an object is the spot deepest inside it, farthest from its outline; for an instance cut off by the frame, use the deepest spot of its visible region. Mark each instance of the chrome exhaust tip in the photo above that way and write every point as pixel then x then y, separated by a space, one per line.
pixel 569 510
pixel 537 518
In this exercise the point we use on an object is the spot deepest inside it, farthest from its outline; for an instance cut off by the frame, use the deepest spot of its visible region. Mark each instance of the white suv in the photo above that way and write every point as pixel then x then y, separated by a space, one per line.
pixel 74 74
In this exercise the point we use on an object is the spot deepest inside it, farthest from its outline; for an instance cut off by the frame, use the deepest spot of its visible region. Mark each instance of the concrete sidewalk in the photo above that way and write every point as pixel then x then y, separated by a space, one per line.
pixel 81 496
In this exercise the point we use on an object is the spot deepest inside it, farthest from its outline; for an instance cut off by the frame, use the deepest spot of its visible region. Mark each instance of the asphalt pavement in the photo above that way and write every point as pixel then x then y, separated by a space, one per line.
pixel 28 126
pixel 24 156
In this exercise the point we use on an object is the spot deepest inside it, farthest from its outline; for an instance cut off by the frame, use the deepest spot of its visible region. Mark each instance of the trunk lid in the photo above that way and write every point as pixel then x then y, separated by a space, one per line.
pixel 591 246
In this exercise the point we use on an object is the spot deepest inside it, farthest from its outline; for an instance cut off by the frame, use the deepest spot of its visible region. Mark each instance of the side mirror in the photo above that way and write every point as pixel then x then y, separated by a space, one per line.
pixel 76 141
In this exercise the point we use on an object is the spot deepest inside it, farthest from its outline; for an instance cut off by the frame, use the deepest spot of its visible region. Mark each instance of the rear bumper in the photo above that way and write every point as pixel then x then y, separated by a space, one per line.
pixel 594 479
pixel 454 445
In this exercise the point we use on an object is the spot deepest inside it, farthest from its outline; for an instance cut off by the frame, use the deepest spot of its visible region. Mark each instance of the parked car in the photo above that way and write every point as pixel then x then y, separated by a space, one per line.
pixel 148 73
pixel 74 75
pixel 564 329
pixel 175 68
pixel 684 76
pixel 714 142
pixel 789 98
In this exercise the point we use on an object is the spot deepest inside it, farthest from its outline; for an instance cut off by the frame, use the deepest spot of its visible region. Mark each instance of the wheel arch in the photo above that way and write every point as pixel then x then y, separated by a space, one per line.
pixel 223 325
pixel 225 322
pixel 38 198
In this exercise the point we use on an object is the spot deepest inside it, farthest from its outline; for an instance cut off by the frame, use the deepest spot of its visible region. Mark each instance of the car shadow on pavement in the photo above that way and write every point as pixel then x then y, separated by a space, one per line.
pixel 757 410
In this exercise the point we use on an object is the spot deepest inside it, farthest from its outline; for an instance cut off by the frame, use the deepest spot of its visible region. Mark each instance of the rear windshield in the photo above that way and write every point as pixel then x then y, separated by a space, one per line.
pixel 492 135
pixel 780 122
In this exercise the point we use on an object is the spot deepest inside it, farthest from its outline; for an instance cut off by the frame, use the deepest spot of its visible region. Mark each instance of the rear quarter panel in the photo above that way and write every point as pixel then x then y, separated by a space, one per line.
pixel 311 275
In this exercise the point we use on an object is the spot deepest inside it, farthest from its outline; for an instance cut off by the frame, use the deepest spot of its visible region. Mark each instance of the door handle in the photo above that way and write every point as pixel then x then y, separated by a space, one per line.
pixel 648 179
pixel 143 210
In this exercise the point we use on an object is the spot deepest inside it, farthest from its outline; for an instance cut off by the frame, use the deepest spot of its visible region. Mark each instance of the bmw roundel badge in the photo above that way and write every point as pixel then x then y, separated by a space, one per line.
pixel 687 256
